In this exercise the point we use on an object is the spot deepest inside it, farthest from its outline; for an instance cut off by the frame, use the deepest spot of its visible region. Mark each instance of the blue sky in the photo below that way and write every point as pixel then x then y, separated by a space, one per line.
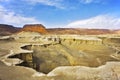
pixel 61 13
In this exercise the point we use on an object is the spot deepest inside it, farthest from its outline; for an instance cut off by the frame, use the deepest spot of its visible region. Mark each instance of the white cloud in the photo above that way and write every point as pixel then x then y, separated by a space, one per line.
pixel 55 3
pixel 4 0
pixel 86 1
pixel 62 4
pixel 91 1
pixel 99 22
pixel 9 17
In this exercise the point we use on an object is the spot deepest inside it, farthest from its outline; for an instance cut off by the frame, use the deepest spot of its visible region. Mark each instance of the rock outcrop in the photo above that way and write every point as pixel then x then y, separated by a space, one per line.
pixel 34 28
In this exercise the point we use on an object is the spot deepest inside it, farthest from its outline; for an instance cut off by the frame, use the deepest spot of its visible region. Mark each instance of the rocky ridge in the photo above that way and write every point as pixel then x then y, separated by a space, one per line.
pixel 8 29
pixel 80 31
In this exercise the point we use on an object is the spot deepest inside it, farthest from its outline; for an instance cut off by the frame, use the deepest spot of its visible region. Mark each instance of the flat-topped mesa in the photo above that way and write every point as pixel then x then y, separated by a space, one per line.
pixel 34 28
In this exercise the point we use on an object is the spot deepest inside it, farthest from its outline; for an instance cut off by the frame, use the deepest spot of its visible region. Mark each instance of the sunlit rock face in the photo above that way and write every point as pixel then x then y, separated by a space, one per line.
pixel 110 71
pixel 34 28
pixel 27 36
pixel 82 51
pixel 112 41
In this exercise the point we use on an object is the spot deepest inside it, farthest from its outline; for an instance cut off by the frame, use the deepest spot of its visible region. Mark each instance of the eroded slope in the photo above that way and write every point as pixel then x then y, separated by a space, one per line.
pixel 53 51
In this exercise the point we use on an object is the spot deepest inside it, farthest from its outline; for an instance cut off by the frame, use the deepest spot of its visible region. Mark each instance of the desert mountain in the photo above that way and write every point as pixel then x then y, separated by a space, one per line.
pixel 79 31
pixel 8 29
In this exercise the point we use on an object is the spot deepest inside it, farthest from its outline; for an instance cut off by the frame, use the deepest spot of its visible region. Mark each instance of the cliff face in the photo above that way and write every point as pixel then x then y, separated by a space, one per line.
pixel 35 28
pixel 7 29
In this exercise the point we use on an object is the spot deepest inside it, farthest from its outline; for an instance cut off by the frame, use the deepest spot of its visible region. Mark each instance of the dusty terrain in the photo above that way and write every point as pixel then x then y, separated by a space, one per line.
pixel 33 55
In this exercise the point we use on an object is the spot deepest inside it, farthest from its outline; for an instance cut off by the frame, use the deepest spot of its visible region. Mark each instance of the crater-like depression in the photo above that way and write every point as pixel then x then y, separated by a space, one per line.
pixel 69 52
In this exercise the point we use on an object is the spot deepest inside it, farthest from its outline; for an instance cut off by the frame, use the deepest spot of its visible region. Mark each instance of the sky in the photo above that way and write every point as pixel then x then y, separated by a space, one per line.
pixel 98 14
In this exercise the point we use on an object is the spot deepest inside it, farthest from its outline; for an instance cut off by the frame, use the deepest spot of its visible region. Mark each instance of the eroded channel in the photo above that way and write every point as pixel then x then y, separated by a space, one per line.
pixel 67 53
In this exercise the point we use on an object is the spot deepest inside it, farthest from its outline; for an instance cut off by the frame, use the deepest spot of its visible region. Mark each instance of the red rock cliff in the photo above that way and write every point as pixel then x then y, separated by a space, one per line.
pixel 34 28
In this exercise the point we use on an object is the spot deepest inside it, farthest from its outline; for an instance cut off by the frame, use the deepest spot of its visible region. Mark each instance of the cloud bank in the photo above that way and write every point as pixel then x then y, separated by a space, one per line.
pixel 4 0
pixel 61 4
pixel 91 1
pixel 55 3
pixel 98 22
pixel 10 17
